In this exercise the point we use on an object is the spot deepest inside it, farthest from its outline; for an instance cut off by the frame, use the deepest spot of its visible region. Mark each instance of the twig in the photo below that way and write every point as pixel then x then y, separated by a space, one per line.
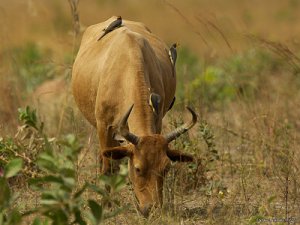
pixel 280 49
pixel 214 26
pixel 286 196
pixel 76 23
pixel 75 14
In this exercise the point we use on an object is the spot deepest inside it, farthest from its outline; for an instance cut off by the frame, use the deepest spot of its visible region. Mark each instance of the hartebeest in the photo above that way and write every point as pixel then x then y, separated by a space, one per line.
pixel 109 77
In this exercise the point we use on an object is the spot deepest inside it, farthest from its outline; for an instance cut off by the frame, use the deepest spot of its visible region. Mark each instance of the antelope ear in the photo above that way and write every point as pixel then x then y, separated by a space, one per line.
pixel 118 152
pixel 175 155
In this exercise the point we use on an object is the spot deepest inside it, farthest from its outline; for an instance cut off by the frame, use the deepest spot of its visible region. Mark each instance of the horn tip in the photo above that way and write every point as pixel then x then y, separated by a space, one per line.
pixel 130 109
pixel 193 113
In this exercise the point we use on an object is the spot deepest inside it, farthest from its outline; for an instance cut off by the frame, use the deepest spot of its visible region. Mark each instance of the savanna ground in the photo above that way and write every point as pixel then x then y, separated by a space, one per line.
pixel 238 66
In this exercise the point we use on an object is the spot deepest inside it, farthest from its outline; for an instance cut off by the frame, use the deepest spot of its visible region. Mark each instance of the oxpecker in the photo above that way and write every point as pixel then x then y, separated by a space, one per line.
pixel 173 53
pixel 115 24
pixel 154 102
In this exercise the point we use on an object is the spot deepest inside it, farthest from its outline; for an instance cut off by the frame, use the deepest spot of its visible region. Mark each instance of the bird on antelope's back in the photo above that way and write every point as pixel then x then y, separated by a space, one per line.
pixel 173 53
pixel 115 24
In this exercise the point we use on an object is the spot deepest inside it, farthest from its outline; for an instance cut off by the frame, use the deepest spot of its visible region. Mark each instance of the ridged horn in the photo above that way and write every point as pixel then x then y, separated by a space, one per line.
pixel 182 129
pixel 124 131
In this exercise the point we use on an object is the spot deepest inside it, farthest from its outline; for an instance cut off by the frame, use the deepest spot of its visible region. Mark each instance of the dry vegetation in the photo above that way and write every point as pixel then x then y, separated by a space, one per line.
pixel 239 67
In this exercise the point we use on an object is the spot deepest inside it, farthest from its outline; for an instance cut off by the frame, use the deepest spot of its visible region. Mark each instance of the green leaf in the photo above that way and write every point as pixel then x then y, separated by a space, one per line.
pixel 13 167
pixel 96 210
pixel 46 162
pixel 71 139
pixel 49 198
pixel 119 183
pixel 37 221
pixel 271 199
pixel 47 156
pixel 4 193
pixel 58 216
pixel 69 182
pixel 14 218
pixel 67 172
pixel 1 218
pixel 79 193
pixel 49 202
pixel 52 179
pixel 98 190
pixel 28 117
pixel 78 217
pixel 48 147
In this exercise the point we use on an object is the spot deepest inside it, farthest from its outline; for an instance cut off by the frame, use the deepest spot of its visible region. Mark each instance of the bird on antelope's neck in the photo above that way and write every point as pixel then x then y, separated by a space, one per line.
pixel 115 24
pixel 173 53
pixel 154 101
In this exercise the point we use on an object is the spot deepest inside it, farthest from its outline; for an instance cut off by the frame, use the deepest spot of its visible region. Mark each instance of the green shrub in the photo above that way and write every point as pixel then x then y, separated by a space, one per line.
pixel 62 200
pixel 243 75
pixel 200 83
pixel 9 215
pixel 54 176
pixel 26 144
pixel 213 86
pixel 248 71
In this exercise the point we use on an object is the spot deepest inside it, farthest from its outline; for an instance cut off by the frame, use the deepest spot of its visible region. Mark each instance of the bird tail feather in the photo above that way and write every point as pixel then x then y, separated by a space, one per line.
pixel 101 37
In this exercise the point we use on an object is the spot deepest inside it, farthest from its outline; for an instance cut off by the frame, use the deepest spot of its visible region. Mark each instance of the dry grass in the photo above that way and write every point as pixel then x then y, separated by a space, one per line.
pixel 257 174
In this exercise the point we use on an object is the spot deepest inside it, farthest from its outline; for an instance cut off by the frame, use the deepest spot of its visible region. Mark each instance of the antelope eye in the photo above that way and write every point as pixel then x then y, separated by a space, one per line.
pixel 137 170
pixel 122 142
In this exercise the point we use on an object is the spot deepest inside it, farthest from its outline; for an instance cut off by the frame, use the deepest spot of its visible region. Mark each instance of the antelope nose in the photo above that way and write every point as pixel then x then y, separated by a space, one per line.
pixel 146 210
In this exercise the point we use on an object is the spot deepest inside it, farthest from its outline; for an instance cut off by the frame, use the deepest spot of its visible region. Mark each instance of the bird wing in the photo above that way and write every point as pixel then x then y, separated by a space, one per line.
pixel 173 55
pixel 113 25
pixel 154 102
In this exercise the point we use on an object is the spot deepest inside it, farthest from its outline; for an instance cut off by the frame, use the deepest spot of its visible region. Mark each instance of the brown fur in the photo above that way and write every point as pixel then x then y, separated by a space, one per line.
pixel 149 161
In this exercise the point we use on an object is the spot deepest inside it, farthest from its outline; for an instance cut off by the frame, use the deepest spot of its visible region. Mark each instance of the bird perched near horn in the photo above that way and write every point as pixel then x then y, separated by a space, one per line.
pixel 173 53
pixel 113 25
pixel 154 101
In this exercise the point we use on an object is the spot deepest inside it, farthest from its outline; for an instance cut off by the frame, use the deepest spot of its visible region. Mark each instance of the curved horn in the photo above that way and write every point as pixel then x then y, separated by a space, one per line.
pixel 124 131
pixel 182 129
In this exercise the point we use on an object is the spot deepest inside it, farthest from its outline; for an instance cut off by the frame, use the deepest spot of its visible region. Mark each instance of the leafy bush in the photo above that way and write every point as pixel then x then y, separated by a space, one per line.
pixel 61 196
pixel 26 144
pixel 242 75
pixel 213 86
pixel 9 214
pixel 202 83
pixel 53 170
pixel 247 70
